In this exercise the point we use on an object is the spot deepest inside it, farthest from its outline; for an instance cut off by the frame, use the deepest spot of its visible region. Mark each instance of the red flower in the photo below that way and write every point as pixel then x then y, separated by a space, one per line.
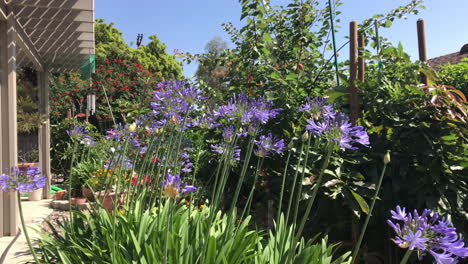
pixel 154 159
pixel 80 115
pixel 107 61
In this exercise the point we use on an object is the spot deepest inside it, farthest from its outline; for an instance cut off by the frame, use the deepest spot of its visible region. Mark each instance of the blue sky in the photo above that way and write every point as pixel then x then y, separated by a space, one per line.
pixel 187 25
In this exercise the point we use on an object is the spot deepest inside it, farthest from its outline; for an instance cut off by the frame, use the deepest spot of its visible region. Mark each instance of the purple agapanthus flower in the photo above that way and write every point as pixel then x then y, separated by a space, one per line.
pixel 174 102
pixel 428 233
pixel 220 149
pixel 337 128
pixel 22 179
pixel 88 141
pixel 172 186
pixel 246 111
pixel 78 132
pixel 266 145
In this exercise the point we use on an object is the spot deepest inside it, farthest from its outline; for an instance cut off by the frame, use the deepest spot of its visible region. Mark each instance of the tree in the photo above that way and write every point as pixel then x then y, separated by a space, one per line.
pixel 110 45
pixel 211 65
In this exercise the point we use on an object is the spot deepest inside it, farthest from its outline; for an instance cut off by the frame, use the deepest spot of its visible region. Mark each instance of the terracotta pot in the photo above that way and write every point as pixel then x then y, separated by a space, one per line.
pixel 60 195
pixel 107 200
pixel 78 200
pixel 87 193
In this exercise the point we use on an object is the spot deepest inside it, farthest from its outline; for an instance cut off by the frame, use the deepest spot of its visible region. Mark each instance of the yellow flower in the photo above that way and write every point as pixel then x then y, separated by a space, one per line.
pixel 132 127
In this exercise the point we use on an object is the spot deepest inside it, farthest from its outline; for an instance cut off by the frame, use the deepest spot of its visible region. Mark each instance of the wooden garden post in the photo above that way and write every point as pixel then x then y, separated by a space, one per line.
pixel 353 62
pixel 9 214
pixel 422 46
pixel 44 130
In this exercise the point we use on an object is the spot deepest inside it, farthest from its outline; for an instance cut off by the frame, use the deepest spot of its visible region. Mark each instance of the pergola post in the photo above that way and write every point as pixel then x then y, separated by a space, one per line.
pixel 8 119
pixel 44 129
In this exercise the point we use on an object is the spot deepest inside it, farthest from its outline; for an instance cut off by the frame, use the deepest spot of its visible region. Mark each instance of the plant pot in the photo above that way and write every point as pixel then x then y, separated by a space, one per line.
pixel 78 200
pixel 107 200
pixel 87 193
pixel 35 195
pixel 60 195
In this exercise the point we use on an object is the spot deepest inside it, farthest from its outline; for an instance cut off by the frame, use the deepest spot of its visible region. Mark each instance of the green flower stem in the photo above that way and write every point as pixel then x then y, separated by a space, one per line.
pixel 23 224
pixel 406 257
pixel 282 187
pixel 294 183
pixel 70 178
pixel 332 28
pixel 314 193
pixel 361 236
pixel 299 191
pixel 243 172
pixel 250 198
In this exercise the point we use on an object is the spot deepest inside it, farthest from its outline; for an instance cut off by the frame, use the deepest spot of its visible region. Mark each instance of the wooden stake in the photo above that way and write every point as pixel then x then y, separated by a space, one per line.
pixel 353 61
pixel 422 46
pixel 361 61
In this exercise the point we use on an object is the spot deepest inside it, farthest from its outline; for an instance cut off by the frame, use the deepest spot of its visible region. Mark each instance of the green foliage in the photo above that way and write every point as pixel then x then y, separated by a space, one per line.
pixel 211 69
pixel 455 75
pixel 143 238
pixel 110 45
pixel 61 145
pixel 424 128
pixel 280 249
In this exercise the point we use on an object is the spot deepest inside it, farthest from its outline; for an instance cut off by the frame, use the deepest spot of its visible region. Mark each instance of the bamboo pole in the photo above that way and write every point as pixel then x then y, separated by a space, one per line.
pixel 422 46
pixel 353 62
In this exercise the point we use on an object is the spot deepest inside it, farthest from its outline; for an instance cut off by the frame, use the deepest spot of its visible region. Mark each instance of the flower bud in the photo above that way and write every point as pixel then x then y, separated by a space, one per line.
pixel 305 136
pixel 386 158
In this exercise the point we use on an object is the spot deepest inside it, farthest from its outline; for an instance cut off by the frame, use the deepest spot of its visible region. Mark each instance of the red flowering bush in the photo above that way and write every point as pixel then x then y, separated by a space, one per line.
pixel 125 88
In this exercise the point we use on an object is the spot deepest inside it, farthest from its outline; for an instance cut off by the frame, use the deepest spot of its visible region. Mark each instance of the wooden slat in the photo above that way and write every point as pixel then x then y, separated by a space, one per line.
pixel 61 4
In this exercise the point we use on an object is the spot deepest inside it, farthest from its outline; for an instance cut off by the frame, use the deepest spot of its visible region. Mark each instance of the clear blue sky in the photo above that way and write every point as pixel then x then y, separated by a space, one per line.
pixel 187 25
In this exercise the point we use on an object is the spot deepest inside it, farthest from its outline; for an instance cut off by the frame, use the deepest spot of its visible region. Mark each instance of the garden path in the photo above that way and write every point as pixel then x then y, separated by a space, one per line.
pixel 12 249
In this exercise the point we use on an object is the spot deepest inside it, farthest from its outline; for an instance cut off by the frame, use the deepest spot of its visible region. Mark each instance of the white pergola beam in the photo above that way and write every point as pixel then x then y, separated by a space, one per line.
pixel 9 131
pixel 44 130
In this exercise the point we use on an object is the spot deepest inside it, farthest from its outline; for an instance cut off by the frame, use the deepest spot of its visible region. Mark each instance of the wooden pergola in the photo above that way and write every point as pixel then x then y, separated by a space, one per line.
pixel 48 36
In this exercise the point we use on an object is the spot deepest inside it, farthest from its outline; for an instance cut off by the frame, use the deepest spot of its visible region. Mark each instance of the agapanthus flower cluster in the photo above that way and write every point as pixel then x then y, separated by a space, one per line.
pixel 185 162
pixel 428 233
pixel 174 102
pixel 267 145
pixel 333 126
pixel 80 134
pixel 317 107
pixel 22 179
pixel 246 111
pixel 172 186
pixel 222 148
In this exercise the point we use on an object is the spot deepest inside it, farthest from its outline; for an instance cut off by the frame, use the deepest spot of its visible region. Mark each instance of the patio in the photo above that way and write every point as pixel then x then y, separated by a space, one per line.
pixel 50 36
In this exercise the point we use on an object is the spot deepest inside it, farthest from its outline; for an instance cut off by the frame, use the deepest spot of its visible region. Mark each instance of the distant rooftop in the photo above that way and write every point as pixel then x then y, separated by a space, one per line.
pixel 452 58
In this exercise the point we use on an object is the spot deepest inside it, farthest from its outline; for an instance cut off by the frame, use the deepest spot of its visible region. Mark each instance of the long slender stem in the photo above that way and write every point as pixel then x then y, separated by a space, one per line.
pixel 314 193
pixel 291 195
pixel 332 25
pixel 361 236
pixel 70 178
pixel 243 172
pixel 23 224
pixel 299 191
pixel 252 190
pixel 406 257
pixel 282 187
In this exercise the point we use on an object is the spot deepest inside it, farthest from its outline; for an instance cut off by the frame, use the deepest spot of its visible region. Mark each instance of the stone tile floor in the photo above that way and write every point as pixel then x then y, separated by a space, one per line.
pixel 12 249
